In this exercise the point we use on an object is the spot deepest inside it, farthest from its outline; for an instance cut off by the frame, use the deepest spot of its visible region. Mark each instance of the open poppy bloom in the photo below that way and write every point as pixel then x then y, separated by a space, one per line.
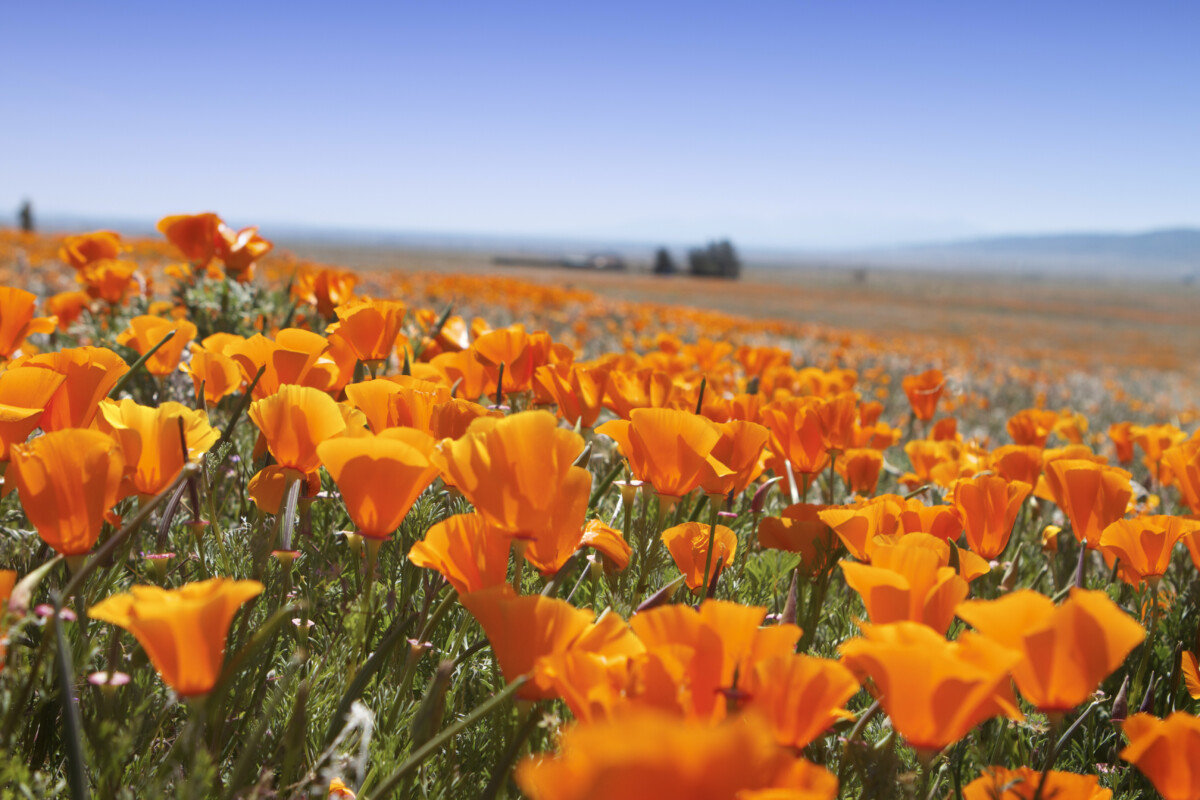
pixel 17 320
pixel 1032 426
pixel 145 332
pixel 1065 650
pixel 796 436
pixel 452 418
pixel 214 373
pixel 511 347
pixel 182 630
pixel 688 545
pixel 1166 752
pixel 240 251
pixel 67 306
pixel 296 357
pixel 24 393
pixel 150 443
pixel 923 392
pixel 1184 463
pixel 988 506
pixel 650 755
pixel 1093 496
pixel 1121 435
pixel 1144 544
pixel 935 691
pixel 325 288
pixel 294 421
pixel 68 481
pixel 110 280
pixel 465 551
pixel 89 374
pixel 740 450
pixel 1017 462
pixel 398 401
pixel 800 696
pixel 82 249
pixel 860 525
pixel 578 391
pixel 669 449
pixel 999 783
pixel 370 327
pixel 859 468
pixel 607 541
pixel 194 235
pixel 800 529
pixel 380 477
pixel 907 583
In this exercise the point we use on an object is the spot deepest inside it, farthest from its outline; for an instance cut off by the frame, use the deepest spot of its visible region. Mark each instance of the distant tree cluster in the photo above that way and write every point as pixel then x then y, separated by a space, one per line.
pixel 717 260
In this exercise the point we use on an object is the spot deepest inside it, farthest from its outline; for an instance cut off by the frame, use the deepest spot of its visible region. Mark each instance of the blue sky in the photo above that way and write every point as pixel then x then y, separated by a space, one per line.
pixel 778 123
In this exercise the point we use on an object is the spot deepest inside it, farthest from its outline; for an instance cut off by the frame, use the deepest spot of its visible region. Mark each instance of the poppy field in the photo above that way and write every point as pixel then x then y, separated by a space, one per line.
pixel 272 528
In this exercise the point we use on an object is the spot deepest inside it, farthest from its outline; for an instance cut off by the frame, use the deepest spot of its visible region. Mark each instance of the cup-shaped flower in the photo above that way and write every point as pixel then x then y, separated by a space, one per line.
pixel 146 331
pixel 216 374
pixel 1093 496
pixel 183 630
pixel 578 391
pixel 650 755
pixel 67 481
pixel 17 320
pixel 924 391
pixel 1015 462
pixel 1065 651
pixel 859 468
pixel 380 477
pixel 935 691
pixel 796 435
pixel 1183 461
pixel 240 250
pixel 465 551
pixel 90 374
pixel 150 442
pixel 740 449
pixel 800 696
pixel 110 280
pixel 194 235
pixel 1166 752
pixel 82 249
pixel 369 327
pixel 999 783
pixel 688 545
pixel 294 421
pixel 511 347
pixel 607 541
pixel 24 393
pixel 67 306
pixel 907 583
pixel 860 525
pixel 1144 544
pixel 1032 426
pixel 988 506
pixel 799 529
pixel 672 450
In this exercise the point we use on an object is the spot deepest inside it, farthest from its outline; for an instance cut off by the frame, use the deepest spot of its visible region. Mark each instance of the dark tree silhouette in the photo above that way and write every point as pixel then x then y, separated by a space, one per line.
pixel 663 263
pixel 718 260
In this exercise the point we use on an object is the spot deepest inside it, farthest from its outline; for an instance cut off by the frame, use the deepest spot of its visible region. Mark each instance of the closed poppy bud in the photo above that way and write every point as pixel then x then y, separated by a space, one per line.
pixel 68 481
pixel 182 630
pixel 688 545
pixel 17 320
pixel 145 332
pixel 923 392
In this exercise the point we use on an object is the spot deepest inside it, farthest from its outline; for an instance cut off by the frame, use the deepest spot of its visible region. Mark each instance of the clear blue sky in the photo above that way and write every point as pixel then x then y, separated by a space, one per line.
pixel 779 123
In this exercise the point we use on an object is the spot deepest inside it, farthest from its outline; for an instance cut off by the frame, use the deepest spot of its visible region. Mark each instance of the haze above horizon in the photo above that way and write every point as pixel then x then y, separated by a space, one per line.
pixel 777 124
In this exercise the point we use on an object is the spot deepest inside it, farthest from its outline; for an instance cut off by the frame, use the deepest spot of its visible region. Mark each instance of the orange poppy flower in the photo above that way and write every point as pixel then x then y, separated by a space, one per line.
pixel 688 545
pixel 215 373
pixel 1065 650
pixel 240 250
pixel 269 486
pixel 473 377
pixel 1121 435
pixel 907 583
pixel 608 541
pixel 296 357
pixel 451 419
pixel 935 691
pixel 1144 544
pixel 1016 462
pixel 924 391
pixel 510 347
pixel 1093 496
pixel 90 374
pixel 669 449
pixel 467 553
pixel 82 249
pixel 999 783
pixel 398 401
pixel 1032 426
pixel 146 331
pixel 988 506
pixel 370 327
pixel 796 435
pixel 67 306
pixel 860 524
pixel 1165 751
pixel 194 235
pixel 577 391
pixel 183 630
pixel 109 280
pixel 1154 440
pixel 650 755
pixel 67 481
pixel 970 565
pixel 945 430
pixel 149 441
pixel 294 421
pixel 800 529
pixel 380 477
pixel 800 696
pixel 859 468
pixel 24 393
pixel 739 449
pixel 1184 463
pixel 523 629
pixel 644 388
pixel 17 320
pixel 942 521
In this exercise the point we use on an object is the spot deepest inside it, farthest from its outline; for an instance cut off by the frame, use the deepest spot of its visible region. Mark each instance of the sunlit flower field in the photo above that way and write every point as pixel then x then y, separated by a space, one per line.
pixel 279 529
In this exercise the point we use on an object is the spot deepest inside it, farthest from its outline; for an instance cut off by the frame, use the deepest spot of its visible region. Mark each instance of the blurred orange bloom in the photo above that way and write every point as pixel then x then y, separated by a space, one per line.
pixel 1144 544
pixel 907 583
pixel 182 630
pixel 934 691
pixel 800 696
pixel 669 449
pixel 17 320
pixel 988 506
pixel 1032 426
pixel 1065 650
pixel 999 783
pixel 294 421
pixel 82 249
pixel 609 542
pixel 194 235
pixel 1184 462
pixel 924 391
pixel 1121 435
pixel 859 468
pixel 380 477
pixel 326 288
pixel 1166 751
pixel 109 280
pixel 68 480
pixel 1093 496
pixel 240 250
pixel 67 306
pixel 466 552
pixel 146 331
pixel 650 755
pixel 150 443
pixel 1017 462
pixel 688 545
pixel 800 529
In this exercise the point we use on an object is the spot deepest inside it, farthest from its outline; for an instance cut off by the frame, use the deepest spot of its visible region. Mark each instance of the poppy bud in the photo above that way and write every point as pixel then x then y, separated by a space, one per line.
pixel 1120 706
pixel 1148 697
